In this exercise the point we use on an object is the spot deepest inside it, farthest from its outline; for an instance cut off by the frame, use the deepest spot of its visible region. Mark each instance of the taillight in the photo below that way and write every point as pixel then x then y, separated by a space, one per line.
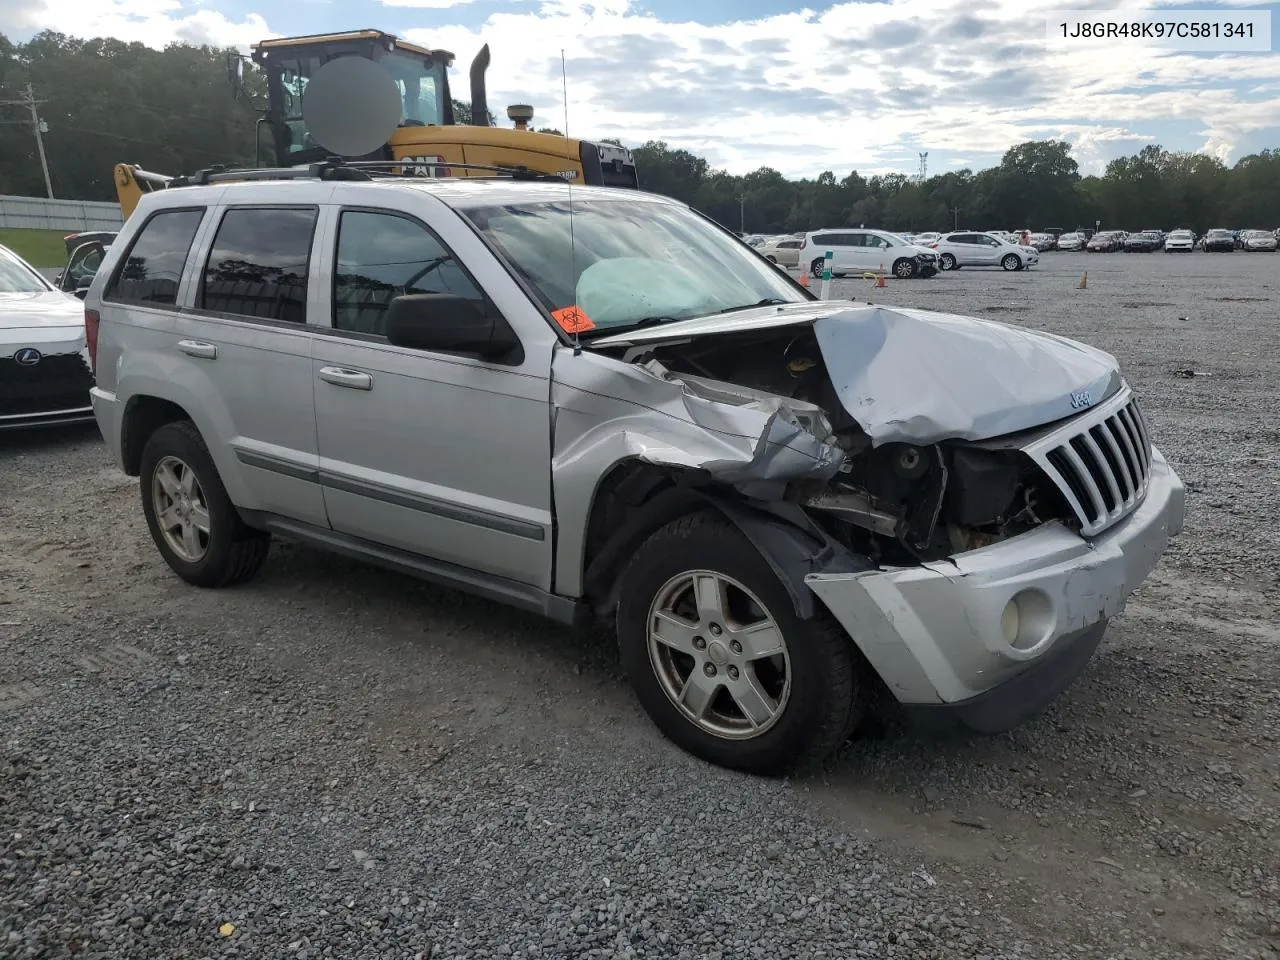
pixel 91 320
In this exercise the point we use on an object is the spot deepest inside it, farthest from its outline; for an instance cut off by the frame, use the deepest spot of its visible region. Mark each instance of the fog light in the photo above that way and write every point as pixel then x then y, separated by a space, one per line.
pixel 1009 623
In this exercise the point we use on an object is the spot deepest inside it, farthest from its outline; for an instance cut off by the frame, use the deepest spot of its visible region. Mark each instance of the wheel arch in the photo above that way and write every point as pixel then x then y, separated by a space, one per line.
pixel 635 499
pixel 144 415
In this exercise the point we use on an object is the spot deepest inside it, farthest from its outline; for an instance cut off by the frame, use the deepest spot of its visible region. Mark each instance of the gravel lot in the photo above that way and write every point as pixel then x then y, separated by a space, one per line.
pixel 335 761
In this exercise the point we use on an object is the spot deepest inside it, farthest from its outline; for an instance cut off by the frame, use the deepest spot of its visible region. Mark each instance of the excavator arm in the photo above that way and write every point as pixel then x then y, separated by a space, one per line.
pixel 132 182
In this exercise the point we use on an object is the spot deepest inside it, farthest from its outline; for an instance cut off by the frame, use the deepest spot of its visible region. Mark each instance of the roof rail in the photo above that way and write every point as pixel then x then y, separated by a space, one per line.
pixel 336 168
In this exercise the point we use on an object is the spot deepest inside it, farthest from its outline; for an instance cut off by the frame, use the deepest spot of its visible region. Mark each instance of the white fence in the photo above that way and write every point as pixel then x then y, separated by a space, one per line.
pixel 73 216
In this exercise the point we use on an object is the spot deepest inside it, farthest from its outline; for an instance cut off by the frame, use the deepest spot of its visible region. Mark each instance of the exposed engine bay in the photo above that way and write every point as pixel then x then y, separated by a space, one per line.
pixel 896 503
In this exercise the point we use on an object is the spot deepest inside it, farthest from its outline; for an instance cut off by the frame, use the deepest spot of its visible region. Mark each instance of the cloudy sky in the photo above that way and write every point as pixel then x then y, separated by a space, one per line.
pixel 802 88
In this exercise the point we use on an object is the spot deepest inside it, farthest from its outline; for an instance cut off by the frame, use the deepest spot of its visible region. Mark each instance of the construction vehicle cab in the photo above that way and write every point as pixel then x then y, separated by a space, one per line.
pixel 421 78
pixel 424 127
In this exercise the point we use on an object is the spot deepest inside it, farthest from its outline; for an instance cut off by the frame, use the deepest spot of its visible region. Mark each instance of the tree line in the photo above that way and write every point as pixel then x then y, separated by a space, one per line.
pixel 105 101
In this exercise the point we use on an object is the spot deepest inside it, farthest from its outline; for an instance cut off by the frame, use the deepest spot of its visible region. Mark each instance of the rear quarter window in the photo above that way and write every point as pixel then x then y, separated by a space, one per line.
pixel 151 271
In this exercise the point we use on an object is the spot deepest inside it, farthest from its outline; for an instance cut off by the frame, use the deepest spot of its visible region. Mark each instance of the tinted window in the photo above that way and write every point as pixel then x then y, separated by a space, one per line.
pixel 153 268
pixel 827 240
pixel 789 245
pixel 381 256
pixel 258 264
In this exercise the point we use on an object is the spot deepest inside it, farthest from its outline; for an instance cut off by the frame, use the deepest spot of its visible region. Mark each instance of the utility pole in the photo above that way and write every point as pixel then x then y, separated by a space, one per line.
pixel 742 214
pixel 955 212
pixel 39 127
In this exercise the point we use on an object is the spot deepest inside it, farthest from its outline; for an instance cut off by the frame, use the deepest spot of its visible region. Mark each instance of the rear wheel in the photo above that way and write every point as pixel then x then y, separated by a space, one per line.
pixel 815 268
pixel 1011 261
pixel 191 518
pixel 904 269
pixel 719 658
pixel 948 262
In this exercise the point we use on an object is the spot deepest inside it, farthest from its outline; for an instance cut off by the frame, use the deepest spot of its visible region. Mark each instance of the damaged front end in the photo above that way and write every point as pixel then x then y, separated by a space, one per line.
pixel 780 429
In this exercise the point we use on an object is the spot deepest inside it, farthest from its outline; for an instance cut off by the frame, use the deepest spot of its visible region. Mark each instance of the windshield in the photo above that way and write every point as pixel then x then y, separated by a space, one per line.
pixel 1219 233
pixel 629 262
pixel 17 277
pixel 897 239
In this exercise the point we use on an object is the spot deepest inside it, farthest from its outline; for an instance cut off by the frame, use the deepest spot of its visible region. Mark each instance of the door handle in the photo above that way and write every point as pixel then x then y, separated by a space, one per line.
pixel 341 377
pixel 198 349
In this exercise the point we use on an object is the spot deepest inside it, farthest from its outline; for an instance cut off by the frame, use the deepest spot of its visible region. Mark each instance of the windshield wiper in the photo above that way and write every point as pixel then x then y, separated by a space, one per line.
pixel 766 302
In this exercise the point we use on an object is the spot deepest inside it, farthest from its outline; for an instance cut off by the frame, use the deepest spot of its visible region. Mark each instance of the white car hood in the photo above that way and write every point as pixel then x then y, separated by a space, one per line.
pixel 916 376
pixel 51 321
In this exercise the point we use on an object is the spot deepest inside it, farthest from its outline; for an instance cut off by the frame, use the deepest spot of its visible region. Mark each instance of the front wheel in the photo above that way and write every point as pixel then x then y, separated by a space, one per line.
pixel 948 262
pixel 1011 261
pixel 904 269
pixel 720 660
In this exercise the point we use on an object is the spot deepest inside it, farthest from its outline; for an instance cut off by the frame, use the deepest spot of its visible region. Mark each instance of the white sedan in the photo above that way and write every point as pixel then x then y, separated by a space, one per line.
pixel 1180 241
pixel 44 361
pixel 966 249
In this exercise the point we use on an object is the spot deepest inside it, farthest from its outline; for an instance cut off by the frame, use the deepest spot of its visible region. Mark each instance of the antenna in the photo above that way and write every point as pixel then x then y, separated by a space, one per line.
pixel 573 246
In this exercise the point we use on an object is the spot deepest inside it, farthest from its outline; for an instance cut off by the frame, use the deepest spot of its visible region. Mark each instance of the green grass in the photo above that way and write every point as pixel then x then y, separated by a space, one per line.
pixel 40 248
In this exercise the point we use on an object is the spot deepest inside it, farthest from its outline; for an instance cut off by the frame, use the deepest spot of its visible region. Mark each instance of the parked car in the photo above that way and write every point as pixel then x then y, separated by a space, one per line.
pixel 1180 241
pixel 82 264
pixel 1071 242
pixel 73 240
pixel 779 504
pixel 1043 242
pixel 781 250
pixel 1108 241
pixel 859 251
pixel 1219 240
pixel 924 239
pixel 1143 242
pixel 1259 241
pixel 44 362
pixel 967 249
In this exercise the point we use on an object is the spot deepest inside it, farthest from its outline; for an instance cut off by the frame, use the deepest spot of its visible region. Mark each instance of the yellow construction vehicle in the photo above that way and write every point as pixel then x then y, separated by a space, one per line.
pixel 368 95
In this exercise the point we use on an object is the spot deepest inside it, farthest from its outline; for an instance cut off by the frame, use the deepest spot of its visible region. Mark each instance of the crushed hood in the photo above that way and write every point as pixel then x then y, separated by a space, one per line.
pixel 916 376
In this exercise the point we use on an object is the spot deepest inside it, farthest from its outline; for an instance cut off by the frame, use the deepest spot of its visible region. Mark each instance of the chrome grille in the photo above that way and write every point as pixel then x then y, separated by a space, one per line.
pixel 1100 461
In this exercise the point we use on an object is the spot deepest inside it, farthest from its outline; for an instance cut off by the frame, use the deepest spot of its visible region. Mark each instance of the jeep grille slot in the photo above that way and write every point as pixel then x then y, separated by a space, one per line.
pixel 1101 462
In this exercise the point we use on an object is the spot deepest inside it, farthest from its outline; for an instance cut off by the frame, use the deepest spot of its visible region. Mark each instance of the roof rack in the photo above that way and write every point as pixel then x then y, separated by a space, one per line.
pixel 336 168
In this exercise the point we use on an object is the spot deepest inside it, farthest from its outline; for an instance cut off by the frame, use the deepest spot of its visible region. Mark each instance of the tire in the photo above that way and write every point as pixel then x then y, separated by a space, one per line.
pixel 815 268
pixel 227 551
pixel 819 693
pixel 948 262
pixel 904 269
pixel 1011 261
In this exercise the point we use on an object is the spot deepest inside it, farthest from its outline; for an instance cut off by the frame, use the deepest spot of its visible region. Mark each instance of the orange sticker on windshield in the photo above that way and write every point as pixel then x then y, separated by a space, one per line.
pixel 572 320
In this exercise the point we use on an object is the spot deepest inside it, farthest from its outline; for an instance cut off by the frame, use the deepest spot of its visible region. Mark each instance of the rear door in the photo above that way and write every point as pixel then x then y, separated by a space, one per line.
pixel 244 350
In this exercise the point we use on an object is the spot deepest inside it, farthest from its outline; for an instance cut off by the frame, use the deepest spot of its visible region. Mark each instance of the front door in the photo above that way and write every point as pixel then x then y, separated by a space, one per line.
pixel 439 455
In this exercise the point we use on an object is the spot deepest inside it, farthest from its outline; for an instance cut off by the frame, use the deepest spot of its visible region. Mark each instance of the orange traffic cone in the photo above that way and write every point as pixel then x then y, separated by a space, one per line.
pixel 1084 281
pixel 880 284
pixel 804 278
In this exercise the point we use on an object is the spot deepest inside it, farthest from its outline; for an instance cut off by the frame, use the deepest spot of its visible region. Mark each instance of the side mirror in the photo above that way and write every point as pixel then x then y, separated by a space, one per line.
pixel 82 287
pixel 57 281
pixel 447 323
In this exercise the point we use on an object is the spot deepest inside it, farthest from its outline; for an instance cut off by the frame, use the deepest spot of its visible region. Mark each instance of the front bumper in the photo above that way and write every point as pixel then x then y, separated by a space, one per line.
pixel 45 418
pixel 935 633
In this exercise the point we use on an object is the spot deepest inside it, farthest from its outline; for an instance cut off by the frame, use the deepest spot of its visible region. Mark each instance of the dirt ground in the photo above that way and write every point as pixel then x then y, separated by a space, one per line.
pixel 1139 817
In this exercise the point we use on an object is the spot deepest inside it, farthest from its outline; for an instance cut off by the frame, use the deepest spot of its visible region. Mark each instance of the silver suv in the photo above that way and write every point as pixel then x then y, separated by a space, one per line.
pixel 540 393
